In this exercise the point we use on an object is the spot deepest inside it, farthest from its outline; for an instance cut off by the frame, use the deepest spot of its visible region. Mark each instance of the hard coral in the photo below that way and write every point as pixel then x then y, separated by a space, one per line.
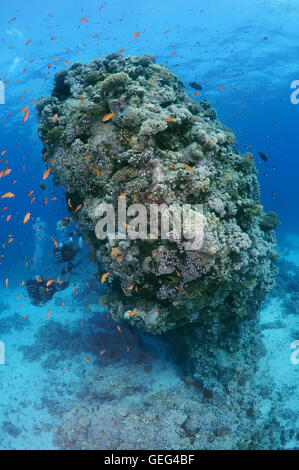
pixel 154 133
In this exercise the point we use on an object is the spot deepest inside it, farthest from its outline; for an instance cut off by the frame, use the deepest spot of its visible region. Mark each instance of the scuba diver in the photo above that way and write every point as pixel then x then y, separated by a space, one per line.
pixel 41 290
pixel 65 252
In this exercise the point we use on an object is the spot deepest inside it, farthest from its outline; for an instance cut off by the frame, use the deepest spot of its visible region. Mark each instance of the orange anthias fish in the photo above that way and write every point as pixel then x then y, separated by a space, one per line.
pixel 135 35
pixel 104 277
pixel 46 174
pixel 9 195
pixel 54 118
pixel 107 117
pixel 24 109
pixel 26 218
pixel 78 208
pixel 55 242
pixel 97 171
pixel 26 115
pixel 189 168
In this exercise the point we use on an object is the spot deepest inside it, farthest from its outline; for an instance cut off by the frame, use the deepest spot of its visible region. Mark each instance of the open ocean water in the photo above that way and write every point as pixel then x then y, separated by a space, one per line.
pixel 70 376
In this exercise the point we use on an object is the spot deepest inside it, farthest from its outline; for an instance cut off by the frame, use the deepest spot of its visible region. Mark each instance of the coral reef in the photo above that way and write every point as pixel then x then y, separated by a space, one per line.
pixel 158 146
pixel 138 400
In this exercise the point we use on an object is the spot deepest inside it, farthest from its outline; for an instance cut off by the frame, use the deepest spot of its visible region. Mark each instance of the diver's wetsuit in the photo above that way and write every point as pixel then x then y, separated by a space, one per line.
pixel 65 253
pixel 40 293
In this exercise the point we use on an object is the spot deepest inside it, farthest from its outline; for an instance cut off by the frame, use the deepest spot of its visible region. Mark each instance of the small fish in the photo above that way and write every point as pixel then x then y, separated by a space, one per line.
pixel 46 174
pixel 26 218
pixel 169 118
pixel 55 242
pixel 54 118
pixel 7 195
pixel 135 35
pixel 189 168
pixel 104 277
pixel 26 115
pixel 132 312
pixel 263 157
pixel 78 208
pixel 195 85
pixel 108 116
pixel 97 171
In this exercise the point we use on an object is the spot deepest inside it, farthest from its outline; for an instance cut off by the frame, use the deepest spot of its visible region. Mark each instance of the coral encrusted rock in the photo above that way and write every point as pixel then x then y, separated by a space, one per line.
pixel 156 145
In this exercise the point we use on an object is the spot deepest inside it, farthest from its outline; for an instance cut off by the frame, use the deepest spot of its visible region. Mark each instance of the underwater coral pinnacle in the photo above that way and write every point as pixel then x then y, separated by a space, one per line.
pixel 132 121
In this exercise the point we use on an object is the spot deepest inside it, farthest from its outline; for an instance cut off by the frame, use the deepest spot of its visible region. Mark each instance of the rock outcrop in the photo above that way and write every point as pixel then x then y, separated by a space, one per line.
pixel 156 145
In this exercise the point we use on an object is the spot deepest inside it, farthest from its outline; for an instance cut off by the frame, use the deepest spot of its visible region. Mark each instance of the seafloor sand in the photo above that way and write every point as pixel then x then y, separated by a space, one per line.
pixel 55 373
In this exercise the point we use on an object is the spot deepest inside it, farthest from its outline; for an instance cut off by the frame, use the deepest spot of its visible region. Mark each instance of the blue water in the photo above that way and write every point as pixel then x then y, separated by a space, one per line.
pixel 250 49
